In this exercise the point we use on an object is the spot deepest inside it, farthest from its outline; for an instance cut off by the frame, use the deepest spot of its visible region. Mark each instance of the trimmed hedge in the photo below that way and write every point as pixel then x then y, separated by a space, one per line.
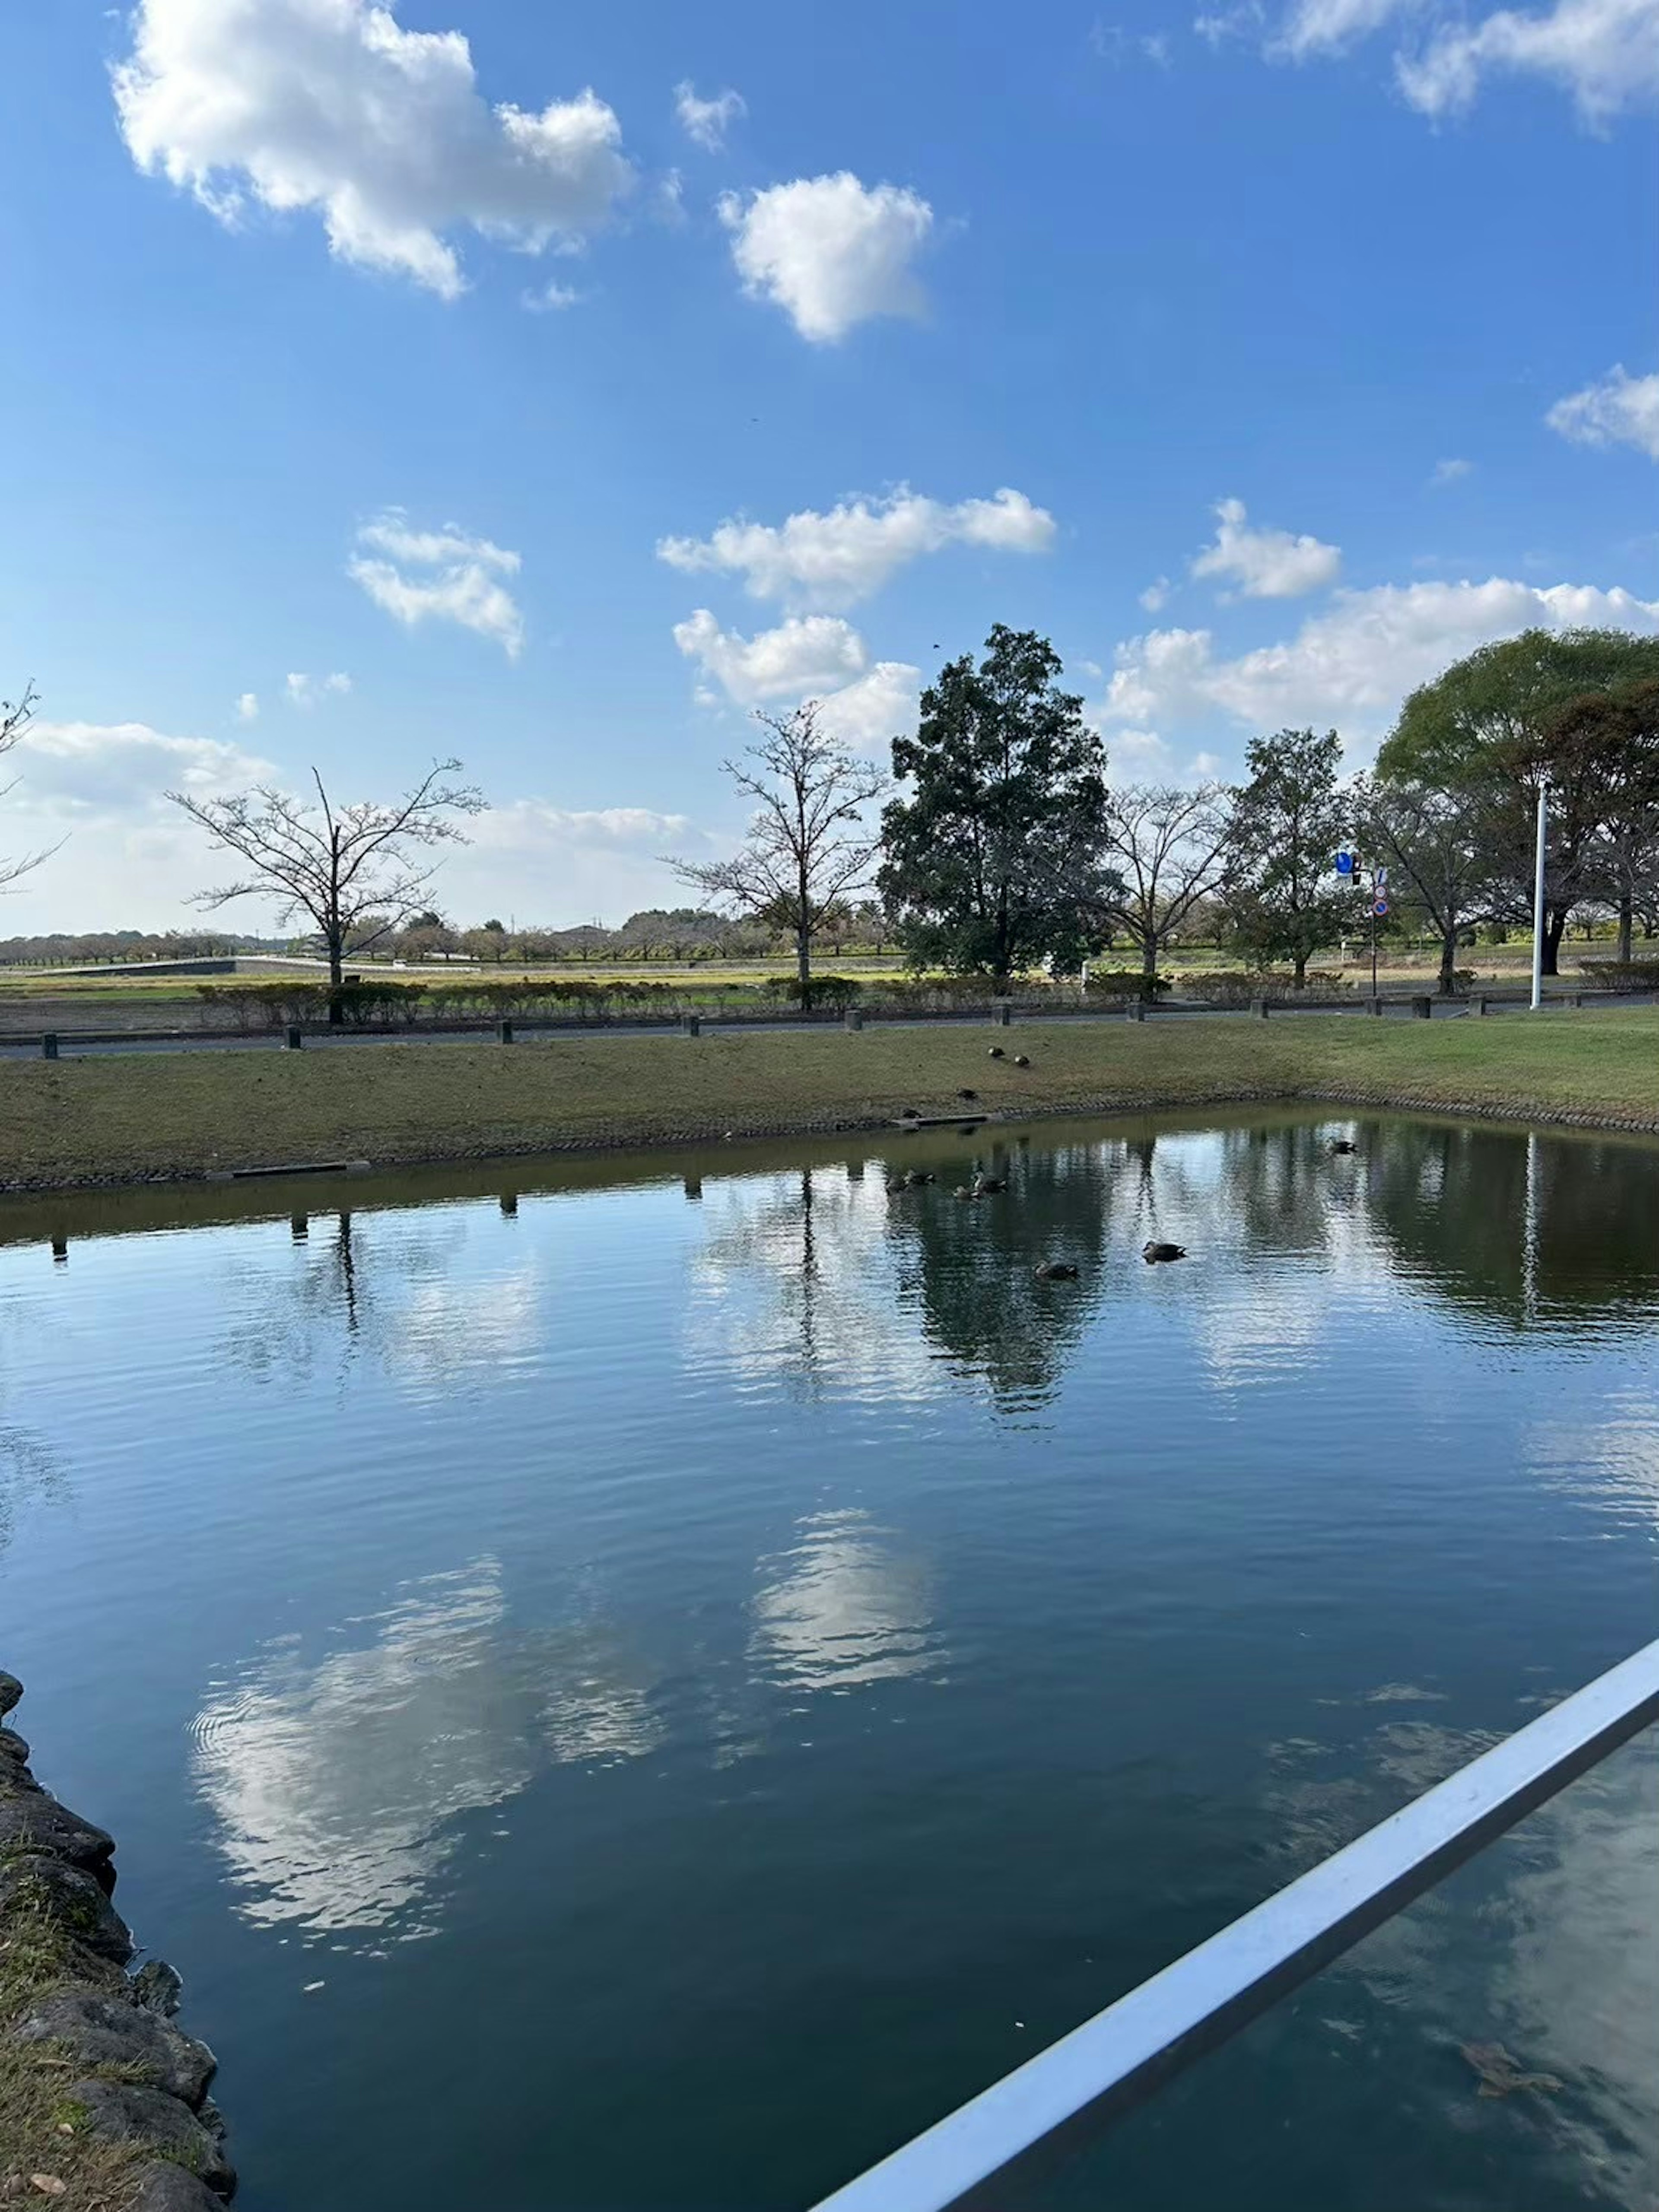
pixel 1621 975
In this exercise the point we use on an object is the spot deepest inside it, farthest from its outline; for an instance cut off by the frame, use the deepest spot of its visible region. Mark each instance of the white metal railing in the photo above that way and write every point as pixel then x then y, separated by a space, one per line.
pixel 1115 2060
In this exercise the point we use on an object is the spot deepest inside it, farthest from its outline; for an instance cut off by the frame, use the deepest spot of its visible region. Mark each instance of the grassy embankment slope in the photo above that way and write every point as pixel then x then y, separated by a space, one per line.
pixel 115 1119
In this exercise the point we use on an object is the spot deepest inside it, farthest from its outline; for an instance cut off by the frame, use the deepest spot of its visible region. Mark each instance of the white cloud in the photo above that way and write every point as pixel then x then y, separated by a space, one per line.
pixel 247 707
pixel 802 657
pixel 1111 42
pixel 550 299
pixel 439 575
pixel 110 767
pixel 1619 411
pixel 1330 27
pixel 390 533
pixel 1604 52
pixel 806 656
pixel 1266 565
pixel 831 250
pixel 563 865
pixel 868 713
pixel 1450 472
pixel 705 122
pixel 330 105
pixel 1156 597
pixel 1246 21
pixel 132 860
pixel 667 201
pixel 532 821
pixel 834 560
pixel 308 691
pixel 1351 663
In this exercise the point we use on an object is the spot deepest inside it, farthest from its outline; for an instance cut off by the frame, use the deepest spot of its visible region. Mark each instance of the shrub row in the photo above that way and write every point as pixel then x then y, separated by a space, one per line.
pixel 1620 975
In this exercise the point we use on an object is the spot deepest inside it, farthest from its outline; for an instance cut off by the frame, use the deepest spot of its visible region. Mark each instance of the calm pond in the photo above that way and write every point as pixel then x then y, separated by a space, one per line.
pixel 633 1688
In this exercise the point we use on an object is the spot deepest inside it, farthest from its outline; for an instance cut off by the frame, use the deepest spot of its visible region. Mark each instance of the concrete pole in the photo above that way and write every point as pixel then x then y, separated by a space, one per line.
pixel 1538 902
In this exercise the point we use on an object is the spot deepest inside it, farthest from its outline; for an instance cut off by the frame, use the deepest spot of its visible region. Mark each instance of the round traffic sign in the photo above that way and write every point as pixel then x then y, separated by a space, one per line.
pixel 1381 907
pixel 1345 864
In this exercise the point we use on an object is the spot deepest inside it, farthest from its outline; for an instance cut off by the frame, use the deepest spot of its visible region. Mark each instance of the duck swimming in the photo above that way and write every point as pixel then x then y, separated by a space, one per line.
pixel 1344 1144
pixel 1055 1271
pixel 1152 1252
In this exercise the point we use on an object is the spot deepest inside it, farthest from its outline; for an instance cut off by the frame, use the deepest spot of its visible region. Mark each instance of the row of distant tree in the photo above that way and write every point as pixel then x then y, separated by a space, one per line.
pixel 997 845
pixel 1001 846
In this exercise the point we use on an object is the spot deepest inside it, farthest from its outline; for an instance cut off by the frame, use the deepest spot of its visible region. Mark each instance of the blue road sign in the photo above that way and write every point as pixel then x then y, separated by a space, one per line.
pixel 1345 864
pixel 1381 907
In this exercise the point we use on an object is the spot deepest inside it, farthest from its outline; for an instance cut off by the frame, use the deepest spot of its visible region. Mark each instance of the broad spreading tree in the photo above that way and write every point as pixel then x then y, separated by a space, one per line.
pixel 1170 851
pixel 357 870
pixel 1613 737
pixel 1496 727
pixel 995 861
pixel 810 843
pixel 1289 821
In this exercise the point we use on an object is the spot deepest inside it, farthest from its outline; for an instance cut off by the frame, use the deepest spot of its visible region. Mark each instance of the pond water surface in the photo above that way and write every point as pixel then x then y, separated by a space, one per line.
pixel 641 1687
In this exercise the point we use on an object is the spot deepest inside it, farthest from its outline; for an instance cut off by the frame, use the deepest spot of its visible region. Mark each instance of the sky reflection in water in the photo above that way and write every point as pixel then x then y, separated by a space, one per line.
pixel 748 1633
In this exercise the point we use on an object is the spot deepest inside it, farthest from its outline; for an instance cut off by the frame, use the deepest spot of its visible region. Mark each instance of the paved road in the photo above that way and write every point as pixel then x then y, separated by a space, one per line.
pixel 72 1048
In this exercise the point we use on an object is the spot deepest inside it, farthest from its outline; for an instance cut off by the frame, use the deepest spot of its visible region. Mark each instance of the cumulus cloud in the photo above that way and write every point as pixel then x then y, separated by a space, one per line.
pixel 1450 472
pixel 1604 53
pixel 1156 597
pixel 1266 565
pixel 1351 663
pixel 868 713
pixel 527 821
pixel 805 655
pixel 331 107
pixel 549 298
pixel 110 767
pixel 132 859
pixel 834 560
pixel 705 122
pixel 1621 409
pixel 306 691
pixel 598 861
pixel 1330 27
pixel 830 250
pixel 439 575
pixel 247 707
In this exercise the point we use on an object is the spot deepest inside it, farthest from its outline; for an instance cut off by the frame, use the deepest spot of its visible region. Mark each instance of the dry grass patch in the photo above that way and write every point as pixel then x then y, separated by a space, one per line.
pixel 180 1113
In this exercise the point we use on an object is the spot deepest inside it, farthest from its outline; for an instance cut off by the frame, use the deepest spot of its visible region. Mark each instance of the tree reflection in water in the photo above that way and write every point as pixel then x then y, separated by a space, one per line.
pixel 825 1283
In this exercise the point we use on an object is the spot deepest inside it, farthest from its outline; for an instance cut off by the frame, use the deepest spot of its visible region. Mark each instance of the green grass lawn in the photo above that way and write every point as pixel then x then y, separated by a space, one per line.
pixel 180 1113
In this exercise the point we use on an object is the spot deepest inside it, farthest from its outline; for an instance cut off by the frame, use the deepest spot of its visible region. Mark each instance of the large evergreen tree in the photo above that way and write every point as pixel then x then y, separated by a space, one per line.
pixel 994 862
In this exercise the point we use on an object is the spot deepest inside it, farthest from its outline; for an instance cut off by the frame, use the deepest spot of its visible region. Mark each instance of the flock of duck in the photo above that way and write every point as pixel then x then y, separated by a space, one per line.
pixel 1154 1252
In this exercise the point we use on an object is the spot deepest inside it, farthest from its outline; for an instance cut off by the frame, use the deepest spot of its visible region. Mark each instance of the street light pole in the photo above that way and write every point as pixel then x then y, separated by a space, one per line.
pixel 1538 902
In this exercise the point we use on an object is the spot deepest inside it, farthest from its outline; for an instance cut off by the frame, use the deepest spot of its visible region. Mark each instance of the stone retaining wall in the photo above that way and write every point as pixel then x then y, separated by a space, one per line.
pixel 123 2079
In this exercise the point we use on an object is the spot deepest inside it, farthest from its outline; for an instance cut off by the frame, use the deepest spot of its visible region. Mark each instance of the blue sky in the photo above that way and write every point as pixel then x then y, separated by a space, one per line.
pixel 379 383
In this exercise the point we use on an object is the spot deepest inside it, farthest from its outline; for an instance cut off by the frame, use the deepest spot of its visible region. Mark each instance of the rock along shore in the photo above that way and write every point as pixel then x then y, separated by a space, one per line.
pixel 103 2099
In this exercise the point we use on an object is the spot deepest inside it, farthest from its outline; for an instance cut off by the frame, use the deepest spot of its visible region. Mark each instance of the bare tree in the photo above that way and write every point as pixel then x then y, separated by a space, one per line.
pixel 808 844
pixel 15 715
pixel 1441 843
pixel 1168 851
pixel 356 870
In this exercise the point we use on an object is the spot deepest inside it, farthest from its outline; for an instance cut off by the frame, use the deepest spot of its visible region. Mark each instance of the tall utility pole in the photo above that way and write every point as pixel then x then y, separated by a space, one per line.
pixel 1538 902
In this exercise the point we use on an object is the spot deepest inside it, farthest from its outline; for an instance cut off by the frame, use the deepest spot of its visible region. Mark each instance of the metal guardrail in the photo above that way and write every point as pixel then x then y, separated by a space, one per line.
pixel 1114 2061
